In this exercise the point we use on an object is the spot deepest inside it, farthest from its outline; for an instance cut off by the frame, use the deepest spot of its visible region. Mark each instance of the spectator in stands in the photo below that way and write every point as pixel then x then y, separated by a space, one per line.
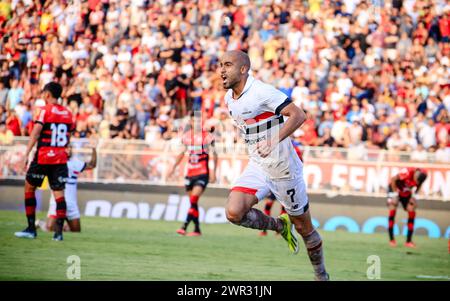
pixel 6 135
pixel 128 67
pixel 419 154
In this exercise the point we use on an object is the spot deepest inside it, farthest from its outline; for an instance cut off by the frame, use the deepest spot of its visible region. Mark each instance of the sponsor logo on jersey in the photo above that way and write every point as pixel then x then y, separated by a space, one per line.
pixel 58 112
pixel 37 176
pixel 253 141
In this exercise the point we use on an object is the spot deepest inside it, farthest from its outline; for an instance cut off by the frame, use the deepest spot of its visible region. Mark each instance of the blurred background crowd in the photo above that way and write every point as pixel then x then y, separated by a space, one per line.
pixel 369 74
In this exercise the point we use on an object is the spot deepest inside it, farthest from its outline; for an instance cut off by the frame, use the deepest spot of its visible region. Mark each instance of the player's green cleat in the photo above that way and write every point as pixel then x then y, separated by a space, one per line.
pixel 289 233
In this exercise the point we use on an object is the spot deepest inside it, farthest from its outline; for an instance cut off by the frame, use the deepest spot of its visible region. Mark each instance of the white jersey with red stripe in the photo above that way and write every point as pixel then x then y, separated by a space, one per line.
pixel 75 167
pixel 257 114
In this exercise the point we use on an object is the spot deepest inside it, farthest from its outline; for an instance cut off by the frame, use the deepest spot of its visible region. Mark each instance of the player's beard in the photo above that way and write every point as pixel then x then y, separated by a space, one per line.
pixel 230 81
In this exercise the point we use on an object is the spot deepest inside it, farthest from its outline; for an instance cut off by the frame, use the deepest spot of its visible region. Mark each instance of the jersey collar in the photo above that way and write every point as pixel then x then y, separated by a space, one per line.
pixel 248 84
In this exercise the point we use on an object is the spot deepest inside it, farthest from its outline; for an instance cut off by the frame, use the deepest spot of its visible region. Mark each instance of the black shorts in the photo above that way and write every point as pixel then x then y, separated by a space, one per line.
pixel 201 180
pixel 56 173
pixel 404 200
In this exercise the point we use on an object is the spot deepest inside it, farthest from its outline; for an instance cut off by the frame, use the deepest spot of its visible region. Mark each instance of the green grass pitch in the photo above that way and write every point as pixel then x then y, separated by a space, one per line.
pixel 124 249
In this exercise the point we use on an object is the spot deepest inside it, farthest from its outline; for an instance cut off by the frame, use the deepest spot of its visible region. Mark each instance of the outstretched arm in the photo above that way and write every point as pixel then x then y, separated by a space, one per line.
pixel 394 183
pixel 177 162
pixel 93 163
pixel 420 182
pixel 419 185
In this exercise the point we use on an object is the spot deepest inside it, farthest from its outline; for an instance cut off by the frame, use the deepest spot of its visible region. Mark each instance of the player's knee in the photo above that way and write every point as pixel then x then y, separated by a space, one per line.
pixel 233 215
pixel 75 225
pixel 58 193
pixel 303 228
pixel 392 203
pixel 411 208
pixel 29 187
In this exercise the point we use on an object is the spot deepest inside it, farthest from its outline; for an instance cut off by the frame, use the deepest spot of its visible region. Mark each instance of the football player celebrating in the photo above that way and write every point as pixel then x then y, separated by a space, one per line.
pixel 266 118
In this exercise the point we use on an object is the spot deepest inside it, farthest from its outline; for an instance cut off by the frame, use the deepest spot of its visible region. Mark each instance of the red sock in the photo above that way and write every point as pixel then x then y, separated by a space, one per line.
pixel 30 208
pixel 61 207
pixel 268 207
pixel 30 203
pixel 194 199
pixel 391 224
pixel 194 206
pixel 391 218
pixel 411 217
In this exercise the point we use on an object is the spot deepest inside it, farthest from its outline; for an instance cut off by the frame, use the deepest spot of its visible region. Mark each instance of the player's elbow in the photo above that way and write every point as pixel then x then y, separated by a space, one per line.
pixel 298 116
pixel 301 117
pixel 34 136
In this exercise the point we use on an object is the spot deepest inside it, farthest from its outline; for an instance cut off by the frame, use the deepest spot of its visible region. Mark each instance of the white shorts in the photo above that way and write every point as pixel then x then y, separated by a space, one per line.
pixel 290 193
pixel 72 209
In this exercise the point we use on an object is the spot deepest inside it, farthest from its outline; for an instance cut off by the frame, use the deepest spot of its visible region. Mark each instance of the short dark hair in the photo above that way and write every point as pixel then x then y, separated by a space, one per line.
pixel 54 88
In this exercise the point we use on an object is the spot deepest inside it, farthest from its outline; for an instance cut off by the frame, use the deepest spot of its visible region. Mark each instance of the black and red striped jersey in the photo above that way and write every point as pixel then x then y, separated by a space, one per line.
pixel 406 181
pixel 57 125
pixel 197 145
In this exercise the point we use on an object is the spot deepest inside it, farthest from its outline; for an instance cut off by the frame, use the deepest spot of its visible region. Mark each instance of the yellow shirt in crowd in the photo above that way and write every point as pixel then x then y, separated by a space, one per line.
pixel 46 18
pixel 5 9
pixel 6 138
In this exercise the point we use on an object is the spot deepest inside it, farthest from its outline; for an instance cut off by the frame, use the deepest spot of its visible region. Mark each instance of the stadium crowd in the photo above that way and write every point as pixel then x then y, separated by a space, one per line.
pixel 369 74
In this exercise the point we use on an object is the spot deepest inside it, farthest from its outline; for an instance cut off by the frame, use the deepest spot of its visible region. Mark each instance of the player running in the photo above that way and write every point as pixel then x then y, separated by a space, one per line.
pixel 260 112
pixel 199 144
pixel 51 131
pixel 404 188
pixel 75 167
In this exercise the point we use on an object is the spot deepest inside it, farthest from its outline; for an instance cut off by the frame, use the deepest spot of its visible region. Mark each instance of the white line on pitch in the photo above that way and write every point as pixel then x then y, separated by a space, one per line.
pixel 432 277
